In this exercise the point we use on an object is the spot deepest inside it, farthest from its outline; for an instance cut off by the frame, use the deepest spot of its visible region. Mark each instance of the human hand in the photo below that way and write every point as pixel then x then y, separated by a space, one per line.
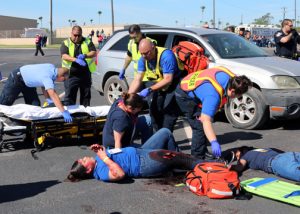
pixel 216 148
pixel 145 92
pixel 80 62
pixel 96 147
pixel 67 116
pixel 122 74
pixel 81 56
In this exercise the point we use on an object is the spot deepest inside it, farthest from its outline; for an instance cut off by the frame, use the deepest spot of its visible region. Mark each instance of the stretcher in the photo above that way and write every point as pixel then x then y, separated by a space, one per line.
pixel 45 125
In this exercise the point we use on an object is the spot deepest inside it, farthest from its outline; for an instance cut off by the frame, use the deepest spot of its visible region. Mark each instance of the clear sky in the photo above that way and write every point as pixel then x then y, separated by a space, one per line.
pixel 158 12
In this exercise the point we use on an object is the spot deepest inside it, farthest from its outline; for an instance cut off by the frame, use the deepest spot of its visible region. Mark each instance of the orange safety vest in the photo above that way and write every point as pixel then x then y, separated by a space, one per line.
pixel 192 81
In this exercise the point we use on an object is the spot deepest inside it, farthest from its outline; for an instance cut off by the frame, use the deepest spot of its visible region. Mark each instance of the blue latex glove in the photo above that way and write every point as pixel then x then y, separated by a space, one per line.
pixel 67 116
pixel 216 148
pixel 81 56
pixel 49 101
pixel 145 92
pixel 80 62
pixel 122 74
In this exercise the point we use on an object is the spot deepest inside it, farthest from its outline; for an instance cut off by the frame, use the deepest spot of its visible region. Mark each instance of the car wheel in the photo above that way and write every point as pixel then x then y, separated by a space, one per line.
pixel 248 111
pixel 113 89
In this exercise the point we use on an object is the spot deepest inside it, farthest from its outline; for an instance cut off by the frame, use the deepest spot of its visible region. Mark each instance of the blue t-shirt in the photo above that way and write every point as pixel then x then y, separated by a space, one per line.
pixel 208 95
pixel 128 160
pixel 39 75
pixel 120 121
pixel 259 159
pixel 168 63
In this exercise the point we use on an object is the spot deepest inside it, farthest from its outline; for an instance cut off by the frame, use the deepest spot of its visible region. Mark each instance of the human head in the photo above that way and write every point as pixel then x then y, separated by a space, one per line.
pixel 238 85
pixel 147 49
pixel 82 169
pixel 62 74
pixel 230 29
pixel 242 32
pixel 133 102
pixel 235 154
pixel 76 34
pixel 287 25
pixel 205 25
pixel 135 32
pixel 247 34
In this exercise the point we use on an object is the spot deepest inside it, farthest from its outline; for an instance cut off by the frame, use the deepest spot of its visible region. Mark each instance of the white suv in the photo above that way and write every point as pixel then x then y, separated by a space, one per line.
pixel 276 91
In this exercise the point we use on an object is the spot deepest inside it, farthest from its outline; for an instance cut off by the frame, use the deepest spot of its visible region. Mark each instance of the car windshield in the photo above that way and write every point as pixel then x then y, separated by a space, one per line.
pixel 230 46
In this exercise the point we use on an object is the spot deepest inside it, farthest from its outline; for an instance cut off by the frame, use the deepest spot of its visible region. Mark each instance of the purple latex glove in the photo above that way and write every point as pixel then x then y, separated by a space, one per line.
pixel 81 56
pixel 80 62
pixel 216 148
pixel 145 92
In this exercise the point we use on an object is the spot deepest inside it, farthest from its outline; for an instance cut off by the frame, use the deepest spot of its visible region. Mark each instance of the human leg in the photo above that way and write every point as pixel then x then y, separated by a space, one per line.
pixel 30 96
pixel 144 127
pixel 71 88
pixel 162 139
pixel 171 113
pixel 36 50
pixel 11 89
pixel 85 90
pixel 287 165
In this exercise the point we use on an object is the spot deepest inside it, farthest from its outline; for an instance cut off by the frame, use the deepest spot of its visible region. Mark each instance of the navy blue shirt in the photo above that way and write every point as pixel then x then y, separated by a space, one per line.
pixel 120 121
pixel 259 159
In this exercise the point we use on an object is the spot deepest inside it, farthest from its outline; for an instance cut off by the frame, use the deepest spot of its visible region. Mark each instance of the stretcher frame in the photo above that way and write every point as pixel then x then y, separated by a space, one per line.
pixel 42 132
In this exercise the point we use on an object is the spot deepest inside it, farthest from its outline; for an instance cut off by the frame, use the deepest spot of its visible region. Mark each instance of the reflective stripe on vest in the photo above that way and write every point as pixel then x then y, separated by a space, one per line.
pixel 135 53
pixel 192 81
pixel 154 75
pixel 84 49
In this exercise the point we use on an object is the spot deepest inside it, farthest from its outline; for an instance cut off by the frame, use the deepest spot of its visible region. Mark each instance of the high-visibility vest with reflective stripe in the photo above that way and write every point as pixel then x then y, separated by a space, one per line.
pixel 84 49
pixel 192 81
pixel 154 75
pixel 135 53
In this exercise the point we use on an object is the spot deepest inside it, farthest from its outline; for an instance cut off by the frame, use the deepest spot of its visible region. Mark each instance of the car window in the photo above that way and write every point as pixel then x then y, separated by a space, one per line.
pixel 121 45
pixel 159 38
pixel 232 46
pixel 180 38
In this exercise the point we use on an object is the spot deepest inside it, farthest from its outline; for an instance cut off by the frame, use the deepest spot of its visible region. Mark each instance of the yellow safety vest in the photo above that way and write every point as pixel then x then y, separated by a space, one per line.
pixel 135 53
pixel 84 49
pixel 192 81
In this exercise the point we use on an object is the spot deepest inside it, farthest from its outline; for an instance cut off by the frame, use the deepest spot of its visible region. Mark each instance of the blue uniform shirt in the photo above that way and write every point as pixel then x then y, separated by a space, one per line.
pixel 168 63
pixel 128 160
pixel 208 95
pixel 39 75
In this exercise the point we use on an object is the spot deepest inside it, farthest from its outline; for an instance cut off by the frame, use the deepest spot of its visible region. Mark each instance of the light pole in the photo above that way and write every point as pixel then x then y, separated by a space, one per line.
pixel 295 14
pixel 41 21
pixel 99 13
pixel 51 34
pixel 214 14
pixel 112 17
pixel 202 12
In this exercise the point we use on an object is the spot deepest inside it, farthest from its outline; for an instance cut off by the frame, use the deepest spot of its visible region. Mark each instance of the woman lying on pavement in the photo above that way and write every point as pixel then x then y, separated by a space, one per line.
pixel 280 163
pixel 147 161
pixel 123 122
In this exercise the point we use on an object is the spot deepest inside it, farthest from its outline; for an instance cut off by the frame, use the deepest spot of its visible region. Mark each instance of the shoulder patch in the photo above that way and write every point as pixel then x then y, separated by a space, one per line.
pixel 278 34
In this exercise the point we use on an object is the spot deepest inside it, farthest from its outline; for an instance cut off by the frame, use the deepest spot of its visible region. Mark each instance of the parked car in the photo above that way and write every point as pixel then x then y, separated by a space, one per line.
pixel 275 93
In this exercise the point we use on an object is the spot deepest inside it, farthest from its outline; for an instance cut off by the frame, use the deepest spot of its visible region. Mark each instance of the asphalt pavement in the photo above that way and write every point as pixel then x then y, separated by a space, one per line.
pixel 37 186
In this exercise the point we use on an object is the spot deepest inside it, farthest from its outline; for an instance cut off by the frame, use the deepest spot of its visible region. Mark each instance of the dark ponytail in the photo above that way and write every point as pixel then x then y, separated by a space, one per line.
pixel 134 100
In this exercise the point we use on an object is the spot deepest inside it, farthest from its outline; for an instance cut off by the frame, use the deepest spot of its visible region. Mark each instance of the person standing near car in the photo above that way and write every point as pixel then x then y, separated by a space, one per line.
pixel 38 45
pixel 199 96
pixel 158 70
pixel 133 53
pixel 78 55
pixel 286 40
pixel 25 80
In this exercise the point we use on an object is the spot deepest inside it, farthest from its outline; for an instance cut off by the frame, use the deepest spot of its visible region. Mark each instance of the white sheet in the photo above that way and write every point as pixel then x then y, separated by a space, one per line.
pixel 29 112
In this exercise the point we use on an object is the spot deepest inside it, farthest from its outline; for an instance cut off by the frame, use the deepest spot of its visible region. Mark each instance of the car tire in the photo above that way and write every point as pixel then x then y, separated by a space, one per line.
pixel 247 112
pixel 113 89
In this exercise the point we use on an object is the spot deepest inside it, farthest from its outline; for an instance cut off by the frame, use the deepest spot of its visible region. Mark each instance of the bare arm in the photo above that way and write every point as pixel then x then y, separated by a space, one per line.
pixel 240 166
pixel 127 62
pixel 45 93
pixel 167 80
pixel 287 38
pixel 68 58
pixel 55 98
pixel 118 137
pixel 115 173
pixel 91 54
pixel 136 83
pixel 208 127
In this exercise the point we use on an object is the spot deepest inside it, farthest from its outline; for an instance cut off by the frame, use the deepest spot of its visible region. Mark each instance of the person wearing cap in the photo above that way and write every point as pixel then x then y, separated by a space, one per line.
pixel 26 78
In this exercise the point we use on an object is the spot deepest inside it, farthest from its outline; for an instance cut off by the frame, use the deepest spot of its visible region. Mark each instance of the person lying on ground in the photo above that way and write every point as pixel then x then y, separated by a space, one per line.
pixel 270 160
pixel 150 160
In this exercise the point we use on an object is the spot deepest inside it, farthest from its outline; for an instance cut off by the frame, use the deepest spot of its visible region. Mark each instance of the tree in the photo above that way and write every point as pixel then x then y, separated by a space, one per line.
pixel 41 20
pixel 202 12
pixel 264 20
pixel 91 20
pixel 70 22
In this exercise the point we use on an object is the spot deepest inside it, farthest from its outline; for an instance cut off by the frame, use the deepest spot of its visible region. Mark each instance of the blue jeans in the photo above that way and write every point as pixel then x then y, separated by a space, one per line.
pixel 162 139
pixel 287 165
pixel 144 128
pixel 14 86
